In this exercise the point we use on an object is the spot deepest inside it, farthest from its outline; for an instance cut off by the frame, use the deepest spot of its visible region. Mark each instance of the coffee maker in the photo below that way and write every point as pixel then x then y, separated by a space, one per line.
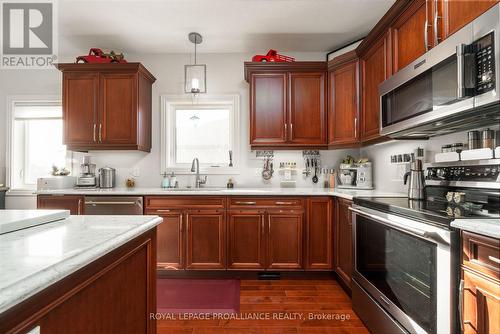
pixel 87 178
pixel 355 176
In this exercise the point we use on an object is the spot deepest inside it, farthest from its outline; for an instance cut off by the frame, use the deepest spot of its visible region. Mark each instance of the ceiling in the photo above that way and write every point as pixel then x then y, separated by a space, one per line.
pixel 227 26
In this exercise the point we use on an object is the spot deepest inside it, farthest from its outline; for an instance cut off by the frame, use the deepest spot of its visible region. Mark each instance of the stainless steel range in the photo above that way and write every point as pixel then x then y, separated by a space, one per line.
pixel 406 254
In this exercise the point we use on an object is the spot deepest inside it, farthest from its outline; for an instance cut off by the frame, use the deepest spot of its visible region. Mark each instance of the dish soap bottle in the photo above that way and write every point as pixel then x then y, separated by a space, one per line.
pixel 165 183
pixel 173 180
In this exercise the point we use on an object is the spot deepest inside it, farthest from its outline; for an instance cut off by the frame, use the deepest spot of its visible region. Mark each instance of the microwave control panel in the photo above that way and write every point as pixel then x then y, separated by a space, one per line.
pixel 485 64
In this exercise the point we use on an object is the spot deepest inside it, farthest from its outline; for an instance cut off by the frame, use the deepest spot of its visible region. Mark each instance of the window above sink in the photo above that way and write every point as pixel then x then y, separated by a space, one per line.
pixel 206 128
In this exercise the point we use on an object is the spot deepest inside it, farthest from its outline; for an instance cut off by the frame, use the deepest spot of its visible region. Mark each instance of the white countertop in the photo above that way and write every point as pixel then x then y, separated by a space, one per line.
pixel 487 227
pixel 344 193
pixel 33 259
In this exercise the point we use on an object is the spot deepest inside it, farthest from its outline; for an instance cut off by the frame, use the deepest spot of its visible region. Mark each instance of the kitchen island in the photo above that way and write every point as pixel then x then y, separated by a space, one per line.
pixel 83 274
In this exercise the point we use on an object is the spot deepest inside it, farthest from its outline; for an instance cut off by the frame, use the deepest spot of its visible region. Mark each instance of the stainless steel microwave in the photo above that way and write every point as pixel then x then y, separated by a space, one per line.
pixel 454 86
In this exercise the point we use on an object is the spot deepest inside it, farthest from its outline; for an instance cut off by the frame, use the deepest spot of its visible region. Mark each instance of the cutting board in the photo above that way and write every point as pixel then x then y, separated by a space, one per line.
pixel 13 220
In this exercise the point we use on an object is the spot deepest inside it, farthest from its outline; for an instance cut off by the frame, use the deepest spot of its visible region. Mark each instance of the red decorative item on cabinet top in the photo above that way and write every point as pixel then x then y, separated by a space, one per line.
pixel 98 56
pixel 272 56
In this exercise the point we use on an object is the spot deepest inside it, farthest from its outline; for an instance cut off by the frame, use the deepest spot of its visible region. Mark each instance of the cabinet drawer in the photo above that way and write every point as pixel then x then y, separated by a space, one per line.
pixel 267 202
pixel 187 202
pixel 482 254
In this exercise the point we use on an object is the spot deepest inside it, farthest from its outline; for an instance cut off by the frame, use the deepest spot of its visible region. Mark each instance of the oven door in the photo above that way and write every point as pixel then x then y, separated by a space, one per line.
pixel 406 267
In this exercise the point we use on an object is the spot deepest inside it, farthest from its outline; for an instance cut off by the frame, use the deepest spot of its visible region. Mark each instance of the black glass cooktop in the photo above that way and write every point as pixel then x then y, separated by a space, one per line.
pixel 436 209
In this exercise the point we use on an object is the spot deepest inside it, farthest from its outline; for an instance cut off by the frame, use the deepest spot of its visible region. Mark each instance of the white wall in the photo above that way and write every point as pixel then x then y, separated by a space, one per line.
pixel 225 75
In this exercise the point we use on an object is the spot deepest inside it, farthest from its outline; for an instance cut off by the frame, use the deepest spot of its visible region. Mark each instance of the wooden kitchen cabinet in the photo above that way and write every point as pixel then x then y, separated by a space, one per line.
pixel 342 233
pixel 375 65
pixel 453 15
pixel 284 250
pixel 107 106
pixel 75 204
pixel 410 34
pixel 307 110
pixel 287 104
pixel 246 239
pixel 170 239
pixel 319 236
pixel 480 291
pixel 205 239
pixel 343 116
pixel 193 234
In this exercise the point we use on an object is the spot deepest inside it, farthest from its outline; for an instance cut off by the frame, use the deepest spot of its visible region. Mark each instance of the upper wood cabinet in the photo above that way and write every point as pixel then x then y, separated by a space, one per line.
pixel 375 66
pixel 411 34
pixel 107 106
pixel 287 104
pixel 453 15
pixel 343 100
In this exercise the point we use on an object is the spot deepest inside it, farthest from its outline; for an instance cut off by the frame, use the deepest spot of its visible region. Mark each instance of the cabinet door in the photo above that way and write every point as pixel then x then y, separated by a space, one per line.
pixel 319 233
pixel 80 99
pixel 481 304
pixel 75 204
pixel 307 115
pixel 246 246
pixel 268 96
pixel 343 241
pixel 375 68
pixel 117 116
pixel 205 240
pixel 170 239
pixel 411 34
pixel 459 13
pixel 285 243
pixel 343 117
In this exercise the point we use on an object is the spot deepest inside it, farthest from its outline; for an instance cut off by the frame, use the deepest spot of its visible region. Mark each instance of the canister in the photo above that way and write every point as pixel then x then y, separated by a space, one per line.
pixel 473 139
pixel 488 139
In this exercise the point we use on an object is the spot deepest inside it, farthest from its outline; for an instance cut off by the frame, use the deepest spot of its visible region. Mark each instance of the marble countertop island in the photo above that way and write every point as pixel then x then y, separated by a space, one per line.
pixel 486 227
pixel 34 258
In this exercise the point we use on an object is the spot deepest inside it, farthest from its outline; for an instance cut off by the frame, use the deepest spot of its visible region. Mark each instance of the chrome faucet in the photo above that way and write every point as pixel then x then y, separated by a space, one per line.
pixel 195 168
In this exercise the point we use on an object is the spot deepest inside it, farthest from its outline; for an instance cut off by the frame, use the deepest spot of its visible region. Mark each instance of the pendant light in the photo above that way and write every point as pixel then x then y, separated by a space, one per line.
pixel 195 75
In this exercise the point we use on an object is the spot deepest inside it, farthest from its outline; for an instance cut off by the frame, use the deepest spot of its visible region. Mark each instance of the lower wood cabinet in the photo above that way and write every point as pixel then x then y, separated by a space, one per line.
pixel 193 233
pixel 265 239
pixel 319 243
pixel 205 239
pixel 284 249
pixel 246 239
pixel 343 260
pixel 75 204
pixel 480 291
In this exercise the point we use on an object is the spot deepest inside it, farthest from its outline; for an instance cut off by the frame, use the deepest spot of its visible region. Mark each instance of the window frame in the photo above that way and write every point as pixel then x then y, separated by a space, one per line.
pixel 12 101
pixel 169 104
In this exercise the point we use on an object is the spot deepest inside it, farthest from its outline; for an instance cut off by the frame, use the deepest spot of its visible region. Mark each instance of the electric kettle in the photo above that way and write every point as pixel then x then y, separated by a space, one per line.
pixel 416 186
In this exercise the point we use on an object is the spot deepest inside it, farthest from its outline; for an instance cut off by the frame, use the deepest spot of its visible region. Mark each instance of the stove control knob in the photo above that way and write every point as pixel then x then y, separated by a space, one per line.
pixel 442 173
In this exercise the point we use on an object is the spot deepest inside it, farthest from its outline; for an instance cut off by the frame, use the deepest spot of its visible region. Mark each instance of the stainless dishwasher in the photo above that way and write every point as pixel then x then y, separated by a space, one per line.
pixel 113 205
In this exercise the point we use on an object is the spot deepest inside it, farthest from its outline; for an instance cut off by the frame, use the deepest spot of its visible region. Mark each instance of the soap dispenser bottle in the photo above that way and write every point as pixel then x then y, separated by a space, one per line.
pixel 165 183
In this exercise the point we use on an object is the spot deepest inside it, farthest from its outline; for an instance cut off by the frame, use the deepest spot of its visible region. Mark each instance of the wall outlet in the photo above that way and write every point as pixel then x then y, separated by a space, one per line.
pixel 136 172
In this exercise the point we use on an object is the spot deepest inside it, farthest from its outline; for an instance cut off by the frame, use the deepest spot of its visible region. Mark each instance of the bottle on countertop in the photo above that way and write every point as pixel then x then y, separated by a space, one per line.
pixel 165 183
pixel 173 180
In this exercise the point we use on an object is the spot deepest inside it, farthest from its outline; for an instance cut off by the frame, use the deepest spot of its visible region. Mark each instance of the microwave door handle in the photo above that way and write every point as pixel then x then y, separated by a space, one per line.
pixel 460 71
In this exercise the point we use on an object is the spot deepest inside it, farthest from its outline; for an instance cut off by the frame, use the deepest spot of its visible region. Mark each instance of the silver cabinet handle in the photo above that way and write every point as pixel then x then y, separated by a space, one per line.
pixel 79 206
pixel 262 222
pixel 461 304
pixel 286 132
pixel 291 131
pixel 436 17
pixel 162 210
pixel 494 259
pixel 95 125
pixel 426 37
pixel 245 203
pixel 180 223
pixel 100 133
pixel 283 203
pixel 110 203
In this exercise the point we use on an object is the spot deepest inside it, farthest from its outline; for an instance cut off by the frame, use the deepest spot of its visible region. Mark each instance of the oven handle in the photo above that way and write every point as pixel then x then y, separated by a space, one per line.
pixel 402 227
